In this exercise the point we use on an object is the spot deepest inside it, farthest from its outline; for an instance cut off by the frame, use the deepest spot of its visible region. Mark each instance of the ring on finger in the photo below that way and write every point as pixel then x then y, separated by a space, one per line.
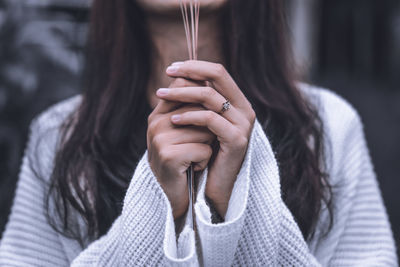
pixel 225 106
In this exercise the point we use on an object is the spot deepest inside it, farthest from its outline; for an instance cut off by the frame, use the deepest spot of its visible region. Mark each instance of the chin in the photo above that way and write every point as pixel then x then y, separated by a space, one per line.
pixel 172 6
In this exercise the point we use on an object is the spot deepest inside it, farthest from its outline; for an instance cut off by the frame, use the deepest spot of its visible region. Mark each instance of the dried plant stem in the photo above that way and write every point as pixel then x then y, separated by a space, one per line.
pixel 186 25
pixel 190 13
pixel 197 15
pixel 191 8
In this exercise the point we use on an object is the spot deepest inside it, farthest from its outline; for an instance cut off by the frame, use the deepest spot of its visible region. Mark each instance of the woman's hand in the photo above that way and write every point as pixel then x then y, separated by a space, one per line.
pixel 232 127
pixel 172 149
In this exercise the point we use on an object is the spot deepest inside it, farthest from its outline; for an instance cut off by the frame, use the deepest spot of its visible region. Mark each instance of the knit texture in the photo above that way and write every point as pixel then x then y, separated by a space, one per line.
pixel 258 230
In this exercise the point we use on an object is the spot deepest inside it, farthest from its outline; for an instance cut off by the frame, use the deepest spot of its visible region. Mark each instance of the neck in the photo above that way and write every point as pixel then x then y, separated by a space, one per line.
pixel 169 45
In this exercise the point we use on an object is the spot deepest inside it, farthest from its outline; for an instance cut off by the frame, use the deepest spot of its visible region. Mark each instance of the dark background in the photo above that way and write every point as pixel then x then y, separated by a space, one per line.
pixel 349 46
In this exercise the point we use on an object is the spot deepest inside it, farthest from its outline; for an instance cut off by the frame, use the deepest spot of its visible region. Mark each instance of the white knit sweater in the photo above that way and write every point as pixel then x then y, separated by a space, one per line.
pixel 259 230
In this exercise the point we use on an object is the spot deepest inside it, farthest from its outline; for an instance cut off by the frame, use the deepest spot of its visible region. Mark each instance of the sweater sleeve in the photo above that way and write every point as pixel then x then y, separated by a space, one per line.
pixel 219 241
pixel 143 235
pixel 361 234
pixel 28 240
pixel 260 229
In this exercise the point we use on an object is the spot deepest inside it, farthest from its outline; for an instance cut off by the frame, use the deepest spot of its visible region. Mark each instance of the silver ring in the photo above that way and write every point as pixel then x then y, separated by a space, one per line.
pixel 226 106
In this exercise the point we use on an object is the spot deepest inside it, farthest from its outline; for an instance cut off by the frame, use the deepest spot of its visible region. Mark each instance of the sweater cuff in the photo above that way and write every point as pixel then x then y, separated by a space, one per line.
pixel 181 253
pixel 219 241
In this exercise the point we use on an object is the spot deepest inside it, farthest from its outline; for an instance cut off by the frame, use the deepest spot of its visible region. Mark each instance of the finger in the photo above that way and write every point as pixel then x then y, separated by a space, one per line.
pixel 168 106
pixel 187 154
pixel 213 72
pixel 206 96
pixel 161 123
pixel 221 127
pixel 165 106
pixel 182 82
pixel 189 134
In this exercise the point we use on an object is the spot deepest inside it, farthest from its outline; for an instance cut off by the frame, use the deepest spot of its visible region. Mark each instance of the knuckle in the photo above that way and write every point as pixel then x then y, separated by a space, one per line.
pixel 239 140
pixel 236 135
pixel 154 126
pixel 219 69
pixel 210 116
pixel 165 155
pixel 207 93
pixel 252 115
pixel 151 126
pixel 158 141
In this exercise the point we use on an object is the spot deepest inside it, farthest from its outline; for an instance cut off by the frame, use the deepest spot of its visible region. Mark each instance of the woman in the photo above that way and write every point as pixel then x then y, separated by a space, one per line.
pixel 283 170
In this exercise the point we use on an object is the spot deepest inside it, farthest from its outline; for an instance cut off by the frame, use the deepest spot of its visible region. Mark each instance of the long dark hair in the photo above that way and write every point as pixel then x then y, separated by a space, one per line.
pixel 105 137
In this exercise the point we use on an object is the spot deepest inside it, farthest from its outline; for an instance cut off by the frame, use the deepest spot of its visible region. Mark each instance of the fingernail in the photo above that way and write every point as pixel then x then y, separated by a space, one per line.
pixel 172 69
pixel 162 91
pixel 178 63
pixel 176 118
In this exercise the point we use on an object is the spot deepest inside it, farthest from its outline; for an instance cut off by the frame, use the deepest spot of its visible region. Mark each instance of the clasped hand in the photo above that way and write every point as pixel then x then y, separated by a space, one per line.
pixel 187 122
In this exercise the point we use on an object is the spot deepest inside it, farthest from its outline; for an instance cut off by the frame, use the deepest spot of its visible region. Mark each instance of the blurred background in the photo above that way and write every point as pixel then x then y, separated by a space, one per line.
pixel 349 46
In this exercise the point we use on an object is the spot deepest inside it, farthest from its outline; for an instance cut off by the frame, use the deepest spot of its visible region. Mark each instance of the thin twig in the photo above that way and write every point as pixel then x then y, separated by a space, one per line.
pixel 190 10
pixel 197 4
pixel 186 25
pixel 191 30
pixel 192 21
